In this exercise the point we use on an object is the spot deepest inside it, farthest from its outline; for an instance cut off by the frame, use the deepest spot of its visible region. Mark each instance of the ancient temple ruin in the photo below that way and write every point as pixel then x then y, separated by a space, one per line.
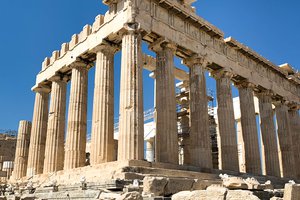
pixel 170 28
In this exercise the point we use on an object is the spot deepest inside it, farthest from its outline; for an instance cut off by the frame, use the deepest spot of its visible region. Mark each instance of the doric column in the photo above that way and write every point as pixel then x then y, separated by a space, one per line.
pixel 268 134
pixel 241 146
pixel 184 130
pixel 22 150
pixel 1 162
pixel 199 138
pixel 226 122
pixel 76 132
pixel 285 139
pixel 150 150
pixel 102 143
pixel 54 153
pixel 166 140
pixel 131 122
pixel 295 128
pixel 249 128
pixel 38 132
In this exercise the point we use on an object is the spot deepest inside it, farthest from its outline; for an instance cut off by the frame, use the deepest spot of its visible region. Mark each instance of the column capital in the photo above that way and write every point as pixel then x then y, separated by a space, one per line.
pixel 80 64
pixel 195 60
pixel 161 44
pixel 59 78
pixel 294 106
pixel 264 93
pixel 132 28
pixel 42 89
pixel 245 84
pixel 107 48
pixel 222 74
pixel 280 102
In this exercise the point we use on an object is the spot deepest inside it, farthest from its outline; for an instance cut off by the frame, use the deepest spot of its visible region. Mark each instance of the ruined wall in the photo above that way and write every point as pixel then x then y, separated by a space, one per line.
pixel 7 147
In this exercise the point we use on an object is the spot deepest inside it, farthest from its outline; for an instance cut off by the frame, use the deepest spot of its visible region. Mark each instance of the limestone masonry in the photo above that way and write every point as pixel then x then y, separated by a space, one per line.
pixel 170 28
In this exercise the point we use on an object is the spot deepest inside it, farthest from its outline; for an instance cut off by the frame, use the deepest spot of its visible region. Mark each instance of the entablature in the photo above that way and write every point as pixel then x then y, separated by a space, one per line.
pixel 192 35
pixel 228 54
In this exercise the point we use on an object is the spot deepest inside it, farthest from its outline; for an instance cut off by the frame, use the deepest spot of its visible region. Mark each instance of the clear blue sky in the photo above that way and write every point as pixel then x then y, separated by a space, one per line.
pixel 31 30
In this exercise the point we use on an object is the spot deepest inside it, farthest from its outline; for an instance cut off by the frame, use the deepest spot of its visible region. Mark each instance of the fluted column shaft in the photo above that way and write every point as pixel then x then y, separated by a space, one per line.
pixel 76 133
pixel 249 129
pixel 38 133
pixel 22 149
pixel 268 135
pixel 226 122
pixel 131 123
pixel 150 150
pixel 199 139
pixel 285 140
pixel 241 146
pixel 166 140
pixel 102 143
pixel 1 162
pixel 54 154
pixel 295 128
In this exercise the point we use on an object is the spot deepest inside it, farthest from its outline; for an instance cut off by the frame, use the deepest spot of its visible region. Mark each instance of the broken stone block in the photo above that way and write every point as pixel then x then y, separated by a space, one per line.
pixel 184 195
pixel 291 191
pixel 132 188
pixel 252 183
pixel 203 184
pixel 109 196
pixel 154 185
pixel 176 185
pixel 232 182
pixel 216 192
pixel 240 194
pixel 213 194
pixel 266 186
pixel 130 196
pixel 193 195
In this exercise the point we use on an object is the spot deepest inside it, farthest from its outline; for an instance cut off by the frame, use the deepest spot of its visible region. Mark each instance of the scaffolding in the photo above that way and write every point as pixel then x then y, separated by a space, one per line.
pixel 183 125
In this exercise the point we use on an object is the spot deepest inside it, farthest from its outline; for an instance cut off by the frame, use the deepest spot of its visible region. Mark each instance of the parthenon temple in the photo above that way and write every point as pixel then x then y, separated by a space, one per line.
pixel 170 28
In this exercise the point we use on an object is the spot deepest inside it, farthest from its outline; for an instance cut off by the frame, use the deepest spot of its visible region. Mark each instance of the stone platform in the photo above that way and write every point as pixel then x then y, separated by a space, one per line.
pixel 135 169
pixel 149 181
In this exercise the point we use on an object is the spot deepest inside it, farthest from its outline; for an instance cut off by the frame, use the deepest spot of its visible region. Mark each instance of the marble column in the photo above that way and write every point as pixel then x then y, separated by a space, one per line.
pixel 295 128
pixel 1 162
pixel 249 128
pixel 38 132
pixel 102 143
pixel 166 140
pixel 54 153
pixel 241 146
pixel 131 122
pixel 184 130
pixel 226 122
pixel 22 150
pixel 268 134
pixel 199 139
pixel 150 150
pixel 75 155
pixel 285 139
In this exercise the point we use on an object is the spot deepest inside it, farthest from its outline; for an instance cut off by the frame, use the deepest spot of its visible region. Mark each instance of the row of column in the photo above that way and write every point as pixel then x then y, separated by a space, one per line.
pixel 48 153
pixel 287 137
pixel 47 135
